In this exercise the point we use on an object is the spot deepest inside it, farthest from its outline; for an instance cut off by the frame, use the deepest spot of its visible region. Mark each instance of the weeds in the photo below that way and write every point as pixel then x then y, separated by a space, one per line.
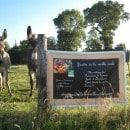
pixel 20 111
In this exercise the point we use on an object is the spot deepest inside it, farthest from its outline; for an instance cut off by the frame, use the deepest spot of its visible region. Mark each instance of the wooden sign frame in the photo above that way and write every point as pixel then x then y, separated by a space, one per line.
pixel 90 60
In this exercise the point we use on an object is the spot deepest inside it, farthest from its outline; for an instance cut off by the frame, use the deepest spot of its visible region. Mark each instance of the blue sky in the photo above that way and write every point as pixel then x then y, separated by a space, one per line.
pixel 16 15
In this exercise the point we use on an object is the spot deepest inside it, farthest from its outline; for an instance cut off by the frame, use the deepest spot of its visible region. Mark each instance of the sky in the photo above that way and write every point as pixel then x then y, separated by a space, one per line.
pixel 16 15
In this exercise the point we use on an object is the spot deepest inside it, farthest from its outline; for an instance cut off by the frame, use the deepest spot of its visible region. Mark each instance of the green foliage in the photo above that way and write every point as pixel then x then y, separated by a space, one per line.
pixel 18 56
pixel 23 44
pixel 105 17
pixel 120 47
pixel 7 47
pixel 51 43
pixel 93 43
pixel 70 25
pixel 18 53
pixel 128 57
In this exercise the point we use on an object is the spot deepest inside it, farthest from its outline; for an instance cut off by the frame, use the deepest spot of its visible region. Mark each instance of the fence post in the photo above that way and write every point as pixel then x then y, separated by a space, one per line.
pixel 41 75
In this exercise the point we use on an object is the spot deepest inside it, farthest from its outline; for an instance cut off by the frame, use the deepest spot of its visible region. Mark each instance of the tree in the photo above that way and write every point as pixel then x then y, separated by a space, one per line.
pixel 120 47
pixel 70 25
pixel 7 46
pixel 105 17
pixel 24 44
pixel 93 42
pixel 51 43
pixel 18 53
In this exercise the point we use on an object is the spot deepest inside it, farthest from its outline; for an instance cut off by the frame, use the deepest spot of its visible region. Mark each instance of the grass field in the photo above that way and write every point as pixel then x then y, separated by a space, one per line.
pixel 19 82
pixel 20 104
pixel 19 112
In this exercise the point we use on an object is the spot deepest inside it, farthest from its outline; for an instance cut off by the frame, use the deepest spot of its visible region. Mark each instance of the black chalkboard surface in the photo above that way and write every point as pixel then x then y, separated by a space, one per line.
pixel 85 78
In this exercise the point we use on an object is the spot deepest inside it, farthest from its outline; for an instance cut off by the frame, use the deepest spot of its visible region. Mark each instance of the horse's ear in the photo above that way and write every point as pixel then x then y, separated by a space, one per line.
pixel 4 34
pixel 29 32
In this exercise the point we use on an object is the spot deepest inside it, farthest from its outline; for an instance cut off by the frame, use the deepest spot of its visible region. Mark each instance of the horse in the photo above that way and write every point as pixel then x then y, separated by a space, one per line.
pixel 5 63
pixel 32 58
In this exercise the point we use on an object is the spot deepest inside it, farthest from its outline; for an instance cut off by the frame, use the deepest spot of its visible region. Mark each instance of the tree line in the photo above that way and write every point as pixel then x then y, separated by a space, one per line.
pixel 95 29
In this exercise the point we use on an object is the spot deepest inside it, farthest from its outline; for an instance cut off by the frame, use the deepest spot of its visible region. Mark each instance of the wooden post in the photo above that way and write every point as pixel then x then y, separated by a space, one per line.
pixel 41 75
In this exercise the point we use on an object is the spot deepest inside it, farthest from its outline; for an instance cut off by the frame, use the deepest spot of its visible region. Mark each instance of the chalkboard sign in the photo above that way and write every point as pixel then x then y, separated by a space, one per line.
pixel 85 78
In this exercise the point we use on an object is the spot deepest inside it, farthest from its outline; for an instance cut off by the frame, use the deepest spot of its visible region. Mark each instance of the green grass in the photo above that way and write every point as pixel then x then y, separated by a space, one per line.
pixel 20 86
pixel 19 112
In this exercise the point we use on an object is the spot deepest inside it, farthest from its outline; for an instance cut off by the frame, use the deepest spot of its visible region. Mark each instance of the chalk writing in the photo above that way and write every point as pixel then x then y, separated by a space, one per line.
pixel 90 64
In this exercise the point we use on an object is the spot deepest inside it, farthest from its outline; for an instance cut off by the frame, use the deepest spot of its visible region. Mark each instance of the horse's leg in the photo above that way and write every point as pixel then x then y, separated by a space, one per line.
pixel 36 79
pixel 3 79
pixel 128 68
pixel 32 76
pixel 1 83
pixel 7 83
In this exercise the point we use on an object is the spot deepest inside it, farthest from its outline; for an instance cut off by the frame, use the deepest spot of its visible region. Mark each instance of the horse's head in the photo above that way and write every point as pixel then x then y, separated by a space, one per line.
pixel 32 45
pixel 31 38
pixel 4 35
pixel 2 44
pixel 2 38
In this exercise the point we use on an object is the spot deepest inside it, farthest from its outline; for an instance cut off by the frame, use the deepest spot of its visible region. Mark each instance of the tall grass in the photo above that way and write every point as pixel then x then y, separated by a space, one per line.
pixel 20 111
pixel 17 112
